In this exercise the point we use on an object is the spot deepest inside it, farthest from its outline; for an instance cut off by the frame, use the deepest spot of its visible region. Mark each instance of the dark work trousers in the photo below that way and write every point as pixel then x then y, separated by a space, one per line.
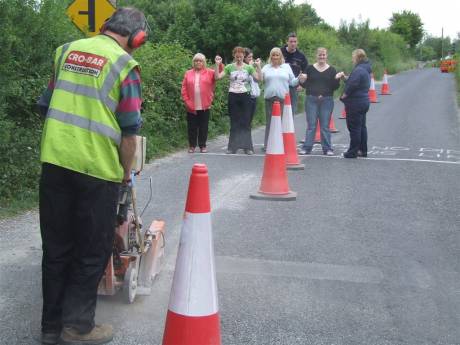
pixel 356 124
pixel 197 125
pixel 77 223
pixel 239 110
pixel 268 114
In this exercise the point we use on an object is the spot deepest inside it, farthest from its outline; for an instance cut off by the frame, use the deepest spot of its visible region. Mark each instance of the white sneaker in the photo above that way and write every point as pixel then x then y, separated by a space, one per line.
pixel 329 153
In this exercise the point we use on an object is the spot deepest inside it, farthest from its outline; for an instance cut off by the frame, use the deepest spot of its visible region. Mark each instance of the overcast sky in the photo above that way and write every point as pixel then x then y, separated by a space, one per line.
pixel 434 14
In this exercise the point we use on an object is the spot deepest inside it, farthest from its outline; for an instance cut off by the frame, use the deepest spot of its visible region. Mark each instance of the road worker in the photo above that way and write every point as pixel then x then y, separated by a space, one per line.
pixel 87 149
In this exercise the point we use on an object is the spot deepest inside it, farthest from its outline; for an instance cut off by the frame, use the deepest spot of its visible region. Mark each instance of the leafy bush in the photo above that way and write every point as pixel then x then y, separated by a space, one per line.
pixel 29 33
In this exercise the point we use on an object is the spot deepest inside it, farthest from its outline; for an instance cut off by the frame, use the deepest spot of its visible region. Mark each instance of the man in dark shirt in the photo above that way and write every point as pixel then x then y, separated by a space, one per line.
pixel 298 62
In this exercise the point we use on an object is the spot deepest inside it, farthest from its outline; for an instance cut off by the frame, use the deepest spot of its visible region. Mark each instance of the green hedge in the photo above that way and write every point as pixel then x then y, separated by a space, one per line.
pixel 164 122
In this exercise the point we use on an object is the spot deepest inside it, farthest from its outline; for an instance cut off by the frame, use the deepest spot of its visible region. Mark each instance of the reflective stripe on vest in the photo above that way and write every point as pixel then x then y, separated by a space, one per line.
pixel 102 94
pixel 64 49
pixel 84 123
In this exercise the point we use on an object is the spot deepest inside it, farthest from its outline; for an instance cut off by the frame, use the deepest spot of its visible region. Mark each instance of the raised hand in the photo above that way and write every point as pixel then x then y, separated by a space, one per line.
pixel 302 77
pixel 340 75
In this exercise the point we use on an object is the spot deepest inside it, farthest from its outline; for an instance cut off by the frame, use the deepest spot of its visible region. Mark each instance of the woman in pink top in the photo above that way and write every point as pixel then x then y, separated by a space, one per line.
pixel 197 93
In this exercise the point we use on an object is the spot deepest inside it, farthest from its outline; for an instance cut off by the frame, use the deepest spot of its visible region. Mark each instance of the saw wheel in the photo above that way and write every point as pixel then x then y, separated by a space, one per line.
pixel 130 284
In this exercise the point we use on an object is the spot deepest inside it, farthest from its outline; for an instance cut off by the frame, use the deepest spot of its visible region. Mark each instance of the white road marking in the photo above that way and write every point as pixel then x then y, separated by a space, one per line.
pixel 339 156
pixel 309 270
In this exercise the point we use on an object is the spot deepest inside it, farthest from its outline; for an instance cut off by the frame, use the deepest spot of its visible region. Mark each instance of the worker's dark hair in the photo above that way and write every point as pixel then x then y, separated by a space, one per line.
pixel 126 21
pixel 291 34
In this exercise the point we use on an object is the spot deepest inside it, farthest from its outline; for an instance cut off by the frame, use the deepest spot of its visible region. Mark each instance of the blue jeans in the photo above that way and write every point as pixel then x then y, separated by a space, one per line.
pixel 318 108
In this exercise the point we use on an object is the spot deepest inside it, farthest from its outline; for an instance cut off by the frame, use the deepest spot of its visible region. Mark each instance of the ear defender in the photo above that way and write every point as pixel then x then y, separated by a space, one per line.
pixel 137 38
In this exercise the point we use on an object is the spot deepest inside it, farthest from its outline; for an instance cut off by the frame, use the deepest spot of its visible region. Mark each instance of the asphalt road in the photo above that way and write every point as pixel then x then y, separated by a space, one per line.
pixel 368 254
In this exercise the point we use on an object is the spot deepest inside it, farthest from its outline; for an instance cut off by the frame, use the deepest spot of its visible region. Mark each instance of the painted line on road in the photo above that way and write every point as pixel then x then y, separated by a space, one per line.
pixel 312 270
pixel 328 157
pixel 389 159
pixel 309 270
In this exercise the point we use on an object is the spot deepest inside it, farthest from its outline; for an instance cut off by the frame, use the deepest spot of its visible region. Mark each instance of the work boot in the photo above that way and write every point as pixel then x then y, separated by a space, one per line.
pixel 100 334
pixel 50 338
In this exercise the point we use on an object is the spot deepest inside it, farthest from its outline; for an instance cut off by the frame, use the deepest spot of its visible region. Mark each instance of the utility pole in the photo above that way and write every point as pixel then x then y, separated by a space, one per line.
pixel 442 44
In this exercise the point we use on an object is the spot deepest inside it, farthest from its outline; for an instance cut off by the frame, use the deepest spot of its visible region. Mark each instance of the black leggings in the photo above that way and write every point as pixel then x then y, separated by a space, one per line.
pixel 197 125
pixel 239 110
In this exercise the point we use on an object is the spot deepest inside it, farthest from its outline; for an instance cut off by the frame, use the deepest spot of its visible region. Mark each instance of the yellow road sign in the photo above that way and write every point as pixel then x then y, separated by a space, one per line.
pixel 89 15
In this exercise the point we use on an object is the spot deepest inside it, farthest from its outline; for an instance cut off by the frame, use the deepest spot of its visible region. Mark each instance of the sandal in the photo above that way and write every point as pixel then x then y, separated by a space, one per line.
pixel 203 150
pixel 191 150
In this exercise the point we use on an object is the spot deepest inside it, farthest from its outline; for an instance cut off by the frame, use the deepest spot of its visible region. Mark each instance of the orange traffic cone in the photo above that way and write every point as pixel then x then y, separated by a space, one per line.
pixel 318 132
pixel 193 316
pixel 372 92
pixel 274 185
pixel 385 90
pixel 343 114
pixel 290 147
pixel 332 128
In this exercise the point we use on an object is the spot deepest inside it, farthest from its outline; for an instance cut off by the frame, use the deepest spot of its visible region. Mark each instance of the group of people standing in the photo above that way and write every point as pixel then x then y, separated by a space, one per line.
pixel 286 71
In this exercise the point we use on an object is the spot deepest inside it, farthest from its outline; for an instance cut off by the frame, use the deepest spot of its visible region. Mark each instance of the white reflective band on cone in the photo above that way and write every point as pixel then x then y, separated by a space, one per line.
pixel 275 144
pixel 288 123
pixel 194 289
pixel 372 84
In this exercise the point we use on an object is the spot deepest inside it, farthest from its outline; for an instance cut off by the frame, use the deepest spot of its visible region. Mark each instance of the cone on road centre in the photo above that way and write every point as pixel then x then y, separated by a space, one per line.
pixel 332 128
pixel 274 184
pixel 343 114
pixel 318 132
pixel 385 90
pixel 290 146
pixel 193 316
pixel 372 92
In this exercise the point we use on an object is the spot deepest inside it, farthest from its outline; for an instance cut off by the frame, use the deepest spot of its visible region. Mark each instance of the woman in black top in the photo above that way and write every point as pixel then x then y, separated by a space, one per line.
pixel 319 86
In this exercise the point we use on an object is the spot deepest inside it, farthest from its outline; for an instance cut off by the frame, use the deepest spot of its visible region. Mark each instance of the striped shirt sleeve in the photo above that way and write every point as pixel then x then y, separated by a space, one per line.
pixel 128 112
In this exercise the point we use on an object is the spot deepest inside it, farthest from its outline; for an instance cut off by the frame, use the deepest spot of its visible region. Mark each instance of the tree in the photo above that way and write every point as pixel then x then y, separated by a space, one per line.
pixel 432 47
pixel 356 34
pixel 216 26
pixel 408 25
pixel 305 16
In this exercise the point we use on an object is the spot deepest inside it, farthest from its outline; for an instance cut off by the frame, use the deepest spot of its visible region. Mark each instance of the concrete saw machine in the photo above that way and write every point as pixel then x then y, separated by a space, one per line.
pixel 138 251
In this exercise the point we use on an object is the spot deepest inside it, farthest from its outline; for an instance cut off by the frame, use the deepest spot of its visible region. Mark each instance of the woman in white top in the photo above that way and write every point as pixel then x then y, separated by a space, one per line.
pixel 277 77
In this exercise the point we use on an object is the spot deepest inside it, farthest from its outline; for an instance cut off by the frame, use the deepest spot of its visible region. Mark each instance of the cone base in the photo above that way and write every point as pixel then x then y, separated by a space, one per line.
pixel 334 130
pixel 274 197
pixel 342 117
pixel 385 94
pixel 299 166
pixel 374 101
pixel 190 330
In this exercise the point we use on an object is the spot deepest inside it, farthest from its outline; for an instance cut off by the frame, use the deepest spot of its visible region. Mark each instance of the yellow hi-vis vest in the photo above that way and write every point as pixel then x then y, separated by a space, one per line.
pixel 81 132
